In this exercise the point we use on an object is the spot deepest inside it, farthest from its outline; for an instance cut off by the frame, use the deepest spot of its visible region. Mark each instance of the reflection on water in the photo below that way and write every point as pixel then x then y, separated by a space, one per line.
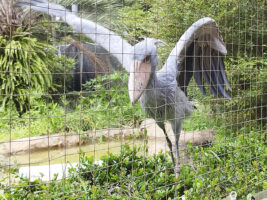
pixel 64 155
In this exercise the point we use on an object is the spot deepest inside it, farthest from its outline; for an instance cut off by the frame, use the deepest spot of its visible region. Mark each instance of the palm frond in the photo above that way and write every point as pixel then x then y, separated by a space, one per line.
pixel 11 17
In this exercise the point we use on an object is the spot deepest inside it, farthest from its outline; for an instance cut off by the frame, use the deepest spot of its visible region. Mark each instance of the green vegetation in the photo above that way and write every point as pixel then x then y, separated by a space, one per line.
pixel 26 63
pixel 248 107
pixel 36 100
pixel 106 106
pixel 241 22
pixel 237 164
pixel 26 66
pixel 23 62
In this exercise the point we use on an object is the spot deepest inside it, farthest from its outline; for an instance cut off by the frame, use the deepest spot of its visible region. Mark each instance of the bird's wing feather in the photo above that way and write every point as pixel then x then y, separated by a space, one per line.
pixel 109 40
pixel 199 53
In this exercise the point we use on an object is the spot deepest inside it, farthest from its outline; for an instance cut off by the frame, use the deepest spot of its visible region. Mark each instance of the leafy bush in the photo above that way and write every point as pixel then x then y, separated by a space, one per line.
pixel 237 164
pixel 24 69
pixel 105 105
pixel 30 68
pixel 225 166
pixel 248 106
pixel 167 20
pixel 108 105
pixel 26 63
pixel 130 174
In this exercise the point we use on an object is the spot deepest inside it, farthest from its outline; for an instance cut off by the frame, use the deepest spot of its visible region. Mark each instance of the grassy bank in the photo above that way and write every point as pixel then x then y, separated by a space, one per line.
pixel 229 164
pixel 58 120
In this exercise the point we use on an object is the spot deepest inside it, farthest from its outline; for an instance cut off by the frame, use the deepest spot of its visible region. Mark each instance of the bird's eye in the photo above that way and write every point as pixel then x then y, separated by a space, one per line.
pixel 147 59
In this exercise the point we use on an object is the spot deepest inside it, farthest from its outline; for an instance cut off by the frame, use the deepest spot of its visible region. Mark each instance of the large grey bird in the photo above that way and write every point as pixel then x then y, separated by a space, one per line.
pixel 162 94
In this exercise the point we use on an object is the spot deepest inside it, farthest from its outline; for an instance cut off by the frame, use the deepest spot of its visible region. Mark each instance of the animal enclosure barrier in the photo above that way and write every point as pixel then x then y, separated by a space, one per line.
pixel 112 99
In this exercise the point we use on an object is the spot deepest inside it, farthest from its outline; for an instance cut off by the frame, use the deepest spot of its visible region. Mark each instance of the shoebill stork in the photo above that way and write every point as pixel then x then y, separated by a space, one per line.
pixel 162 94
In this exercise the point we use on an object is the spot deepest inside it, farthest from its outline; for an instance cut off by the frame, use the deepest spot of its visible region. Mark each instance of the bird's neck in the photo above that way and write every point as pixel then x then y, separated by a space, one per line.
pixel 152 80
pixel 170 66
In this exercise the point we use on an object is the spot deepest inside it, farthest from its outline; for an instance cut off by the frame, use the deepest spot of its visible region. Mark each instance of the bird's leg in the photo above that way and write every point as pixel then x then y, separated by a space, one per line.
pixel 176 127
pixel 169 143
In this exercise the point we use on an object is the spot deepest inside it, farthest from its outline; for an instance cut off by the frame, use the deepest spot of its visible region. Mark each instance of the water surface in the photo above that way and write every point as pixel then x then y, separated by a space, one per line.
pixel 72 154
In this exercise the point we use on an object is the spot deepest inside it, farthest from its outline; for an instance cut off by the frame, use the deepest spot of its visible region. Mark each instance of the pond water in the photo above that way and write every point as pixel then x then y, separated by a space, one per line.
pixel 72 155
pixel 46 163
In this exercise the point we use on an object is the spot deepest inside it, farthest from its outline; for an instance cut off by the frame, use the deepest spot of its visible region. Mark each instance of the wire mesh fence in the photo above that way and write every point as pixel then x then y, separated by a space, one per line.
pixel 112 99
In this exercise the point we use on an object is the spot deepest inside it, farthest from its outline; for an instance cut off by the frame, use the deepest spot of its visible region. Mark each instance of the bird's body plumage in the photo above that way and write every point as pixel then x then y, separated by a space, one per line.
pixel 164 100
pixel 162 94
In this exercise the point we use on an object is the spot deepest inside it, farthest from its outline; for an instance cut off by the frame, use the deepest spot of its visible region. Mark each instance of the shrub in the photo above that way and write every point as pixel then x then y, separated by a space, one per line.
pixel 24 69
pixel 103 104
pixel 108 104
pixel 26 63
pixel 30 68
pixel 227 165
pixel 167 20
pixel 248 107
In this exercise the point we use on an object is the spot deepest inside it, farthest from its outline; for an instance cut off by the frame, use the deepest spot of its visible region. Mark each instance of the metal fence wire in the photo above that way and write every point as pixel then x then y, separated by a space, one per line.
pixel 120 99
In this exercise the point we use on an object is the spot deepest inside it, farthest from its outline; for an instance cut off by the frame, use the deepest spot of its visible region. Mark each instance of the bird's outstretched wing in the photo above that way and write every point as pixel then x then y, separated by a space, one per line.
pixel 109 40
pixel 199 53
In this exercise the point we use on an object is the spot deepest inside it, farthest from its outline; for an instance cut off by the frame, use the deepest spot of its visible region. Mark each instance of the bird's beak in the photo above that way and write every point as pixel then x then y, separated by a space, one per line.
pixel 138 80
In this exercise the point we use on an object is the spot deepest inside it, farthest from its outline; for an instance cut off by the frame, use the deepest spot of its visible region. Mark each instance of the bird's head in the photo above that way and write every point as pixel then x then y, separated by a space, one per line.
pixel 145 61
